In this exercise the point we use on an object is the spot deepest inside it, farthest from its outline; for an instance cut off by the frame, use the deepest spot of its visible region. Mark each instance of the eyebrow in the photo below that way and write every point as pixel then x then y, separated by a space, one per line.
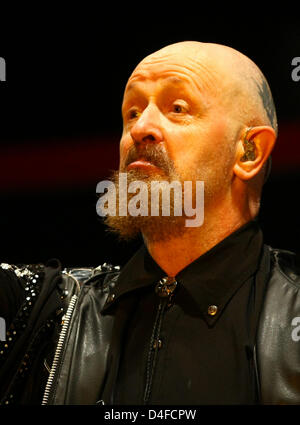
pixel 176 80
pixel 130 87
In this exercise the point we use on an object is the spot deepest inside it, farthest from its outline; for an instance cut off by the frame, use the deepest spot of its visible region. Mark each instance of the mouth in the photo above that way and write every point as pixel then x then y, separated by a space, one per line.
pixel 143 165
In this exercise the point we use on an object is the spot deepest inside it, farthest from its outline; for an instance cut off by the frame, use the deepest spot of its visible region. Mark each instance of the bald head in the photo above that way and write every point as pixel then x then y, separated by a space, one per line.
pixel 226 73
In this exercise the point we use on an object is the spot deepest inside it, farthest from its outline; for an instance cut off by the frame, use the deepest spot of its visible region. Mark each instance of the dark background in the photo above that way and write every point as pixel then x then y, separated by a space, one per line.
pixel 61 123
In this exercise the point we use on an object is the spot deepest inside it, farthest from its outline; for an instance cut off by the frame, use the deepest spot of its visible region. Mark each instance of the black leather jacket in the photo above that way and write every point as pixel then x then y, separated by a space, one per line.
pixel 66 330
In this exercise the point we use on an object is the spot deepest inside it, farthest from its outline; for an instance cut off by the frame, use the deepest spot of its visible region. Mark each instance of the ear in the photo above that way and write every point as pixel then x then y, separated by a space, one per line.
pixel 260 141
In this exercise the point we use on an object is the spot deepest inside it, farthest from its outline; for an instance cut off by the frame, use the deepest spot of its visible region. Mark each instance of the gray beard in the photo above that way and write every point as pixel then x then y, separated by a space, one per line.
pixel 155 228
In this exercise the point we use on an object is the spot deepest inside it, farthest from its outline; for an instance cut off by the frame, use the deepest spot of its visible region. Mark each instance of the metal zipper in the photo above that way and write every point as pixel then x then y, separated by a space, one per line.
pixel 59 348
pixel 74 278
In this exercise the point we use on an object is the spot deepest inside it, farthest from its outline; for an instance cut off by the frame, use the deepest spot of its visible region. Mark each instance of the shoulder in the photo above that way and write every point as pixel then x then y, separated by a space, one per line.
pixel 278 331
pixel 286 265
pixel 103 274
pixel 102 277
pixel 282 291
pixel 24 284
pixel 16 284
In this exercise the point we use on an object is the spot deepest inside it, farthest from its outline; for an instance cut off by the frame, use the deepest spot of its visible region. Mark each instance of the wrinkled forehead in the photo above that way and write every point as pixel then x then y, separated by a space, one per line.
pixel 195 69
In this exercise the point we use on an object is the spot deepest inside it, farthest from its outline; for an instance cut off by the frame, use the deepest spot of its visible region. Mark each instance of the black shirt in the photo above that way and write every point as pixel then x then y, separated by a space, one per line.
pixel 198 349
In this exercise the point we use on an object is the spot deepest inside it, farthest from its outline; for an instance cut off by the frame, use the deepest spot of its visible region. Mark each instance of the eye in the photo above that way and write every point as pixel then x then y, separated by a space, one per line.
pixel 133 113
pixel 179 107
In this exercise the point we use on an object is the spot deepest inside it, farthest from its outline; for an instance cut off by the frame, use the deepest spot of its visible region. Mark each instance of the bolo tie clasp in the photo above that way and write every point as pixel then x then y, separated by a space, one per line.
pixel 166 286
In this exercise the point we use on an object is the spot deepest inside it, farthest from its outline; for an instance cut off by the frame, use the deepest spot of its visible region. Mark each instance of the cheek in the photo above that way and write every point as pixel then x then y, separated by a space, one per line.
pixel 217 132
pixel 221 150
pixel 182 145
pixel 201 144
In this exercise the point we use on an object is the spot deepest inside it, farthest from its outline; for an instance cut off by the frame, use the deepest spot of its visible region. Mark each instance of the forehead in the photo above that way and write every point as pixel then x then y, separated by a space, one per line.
pixel 187 72
pixel 173 80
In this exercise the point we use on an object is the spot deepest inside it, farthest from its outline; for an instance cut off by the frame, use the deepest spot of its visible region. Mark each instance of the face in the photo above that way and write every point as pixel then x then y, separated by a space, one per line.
pixel 172 106
pixel 176 128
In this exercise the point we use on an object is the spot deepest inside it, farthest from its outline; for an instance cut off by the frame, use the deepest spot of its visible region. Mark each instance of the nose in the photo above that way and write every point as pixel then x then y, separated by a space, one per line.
pixel 147 128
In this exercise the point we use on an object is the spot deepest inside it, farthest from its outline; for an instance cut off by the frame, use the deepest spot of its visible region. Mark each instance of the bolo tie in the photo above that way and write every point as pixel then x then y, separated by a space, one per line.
pixel 165 289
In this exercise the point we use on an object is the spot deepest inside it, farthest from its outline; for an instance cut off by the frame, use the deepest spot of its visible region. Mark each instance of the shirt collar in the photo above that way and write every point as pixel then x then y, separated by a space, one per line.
pixel 211 280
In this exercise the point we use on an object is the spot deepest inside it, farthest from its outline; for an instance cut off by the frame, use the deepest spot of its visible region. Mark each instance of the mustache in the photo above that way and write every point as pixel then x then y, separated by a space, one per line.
pixel 152 153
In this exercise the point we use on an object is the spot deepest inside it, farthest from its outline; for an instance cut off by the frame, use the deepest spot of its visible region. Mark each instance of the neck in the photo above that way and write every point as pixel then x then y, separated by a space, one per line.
pixel 174 254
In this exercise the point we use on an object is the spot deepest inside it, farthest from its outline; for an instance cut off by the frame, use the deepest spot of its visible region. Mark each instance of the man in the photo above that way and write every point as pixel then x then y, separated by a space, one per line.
pixel 200 315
